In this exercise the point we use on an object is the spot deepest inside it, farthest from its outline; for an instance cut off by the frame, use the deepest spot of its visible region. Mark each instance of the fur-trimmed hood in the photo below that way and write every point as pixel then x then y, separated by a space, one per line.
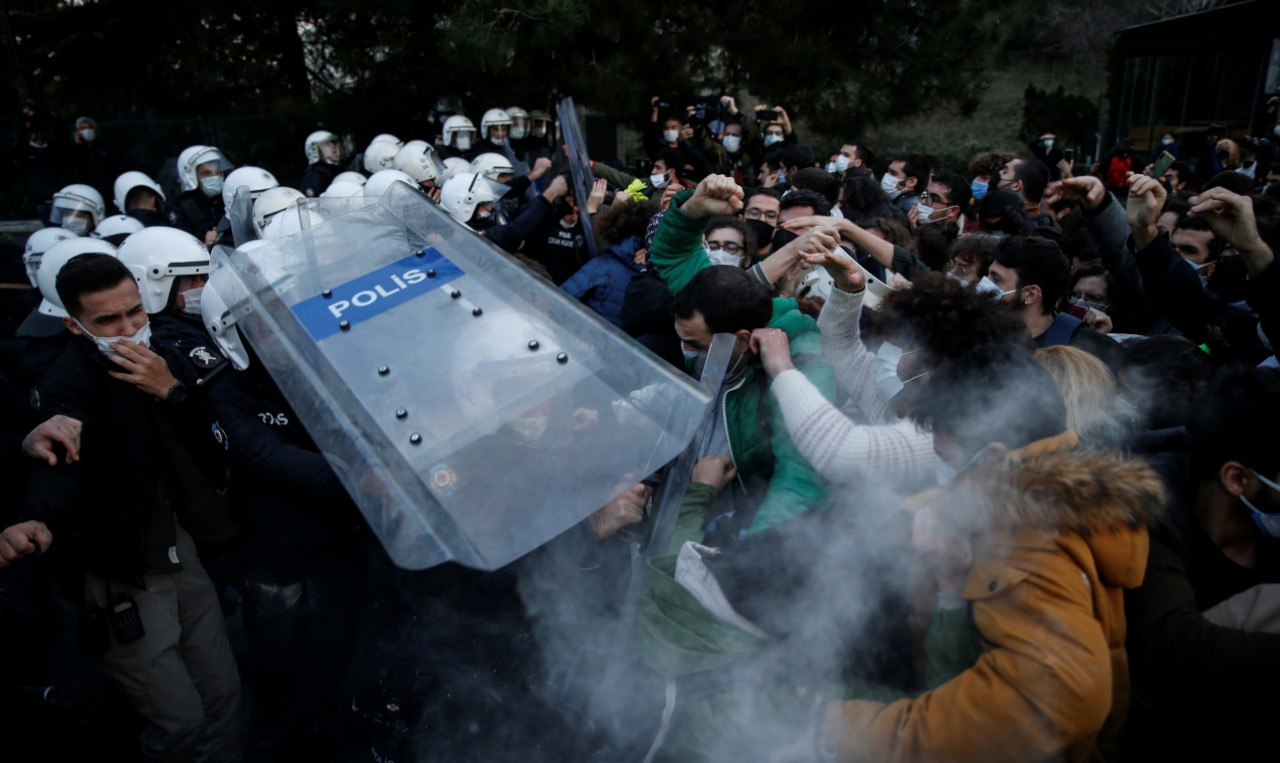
pixel 1052 488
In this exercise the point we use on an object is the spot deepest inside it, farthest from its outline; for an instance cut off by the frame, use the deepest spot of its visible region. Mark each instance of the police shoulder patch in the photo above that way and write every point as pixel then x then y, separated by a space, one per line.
pixel 203 357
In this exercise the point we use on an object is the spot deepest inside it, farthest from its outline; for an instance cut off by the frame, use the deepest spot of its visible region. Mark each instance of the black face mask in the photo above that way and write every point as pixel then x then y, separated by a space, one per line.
pixel 782 238
pixel 1224 155
pixel 762 231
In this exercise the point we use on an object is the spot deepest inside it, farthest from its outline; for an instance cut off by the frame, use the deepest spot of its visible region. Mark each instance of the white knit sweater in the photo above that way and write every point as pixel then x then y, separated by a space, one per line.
pixel 890 453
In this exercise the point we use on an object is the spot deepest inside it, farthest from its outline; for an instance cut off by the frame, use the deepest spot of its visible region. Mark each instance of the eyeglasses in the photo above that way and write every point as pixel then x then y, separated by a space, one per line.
pixel 732 247
pixel 755 213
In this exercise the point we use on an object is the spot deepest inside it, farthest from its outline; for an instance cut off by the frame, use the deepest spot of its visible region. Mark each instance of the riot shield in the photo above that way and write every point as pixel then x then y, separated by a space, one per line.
pixel 579 166
pixel 241 216
pixel 472 411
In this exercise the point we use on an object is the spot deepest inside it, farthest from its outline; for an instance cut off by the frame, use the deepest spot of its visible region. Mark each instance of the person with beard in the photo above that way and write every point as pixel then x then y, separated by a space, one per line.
pixel 1032 273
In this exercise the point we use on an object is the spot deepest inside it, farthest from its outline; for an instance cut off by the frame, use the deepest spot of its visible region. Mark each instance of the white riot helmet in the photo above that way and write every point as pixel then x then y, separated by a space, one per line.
pixel 492 165
pixel 452 166
pixel 494 118
pixel 256 179
pixel 272 202
pixel 342 189
pixel 117 228
pixel 419 161
pixel 51 264
pixel 37 244
pixel 157 257
pixel 387 137
pixel 129 181
pixel 380 181
pixel 194 156
pixel 380 156
pixel 289 222
pixel 463 192
pixel 315 147
pixel 71 204
pixel 459 127
pixel 519 122
pixel 221 292
pixel 350 177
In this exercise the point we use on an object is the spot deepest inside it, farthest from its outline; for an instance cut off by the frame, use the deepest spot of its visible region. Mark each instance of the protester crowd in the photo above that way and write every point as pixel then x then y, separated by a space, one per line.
pixel 994 473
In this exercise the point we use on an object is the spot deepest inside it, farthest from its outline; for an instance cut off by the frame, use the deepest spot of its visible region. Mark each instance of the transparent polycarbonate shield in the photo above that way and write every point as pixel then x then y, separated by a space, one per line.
pixel 579 165
pixel 329 207
pixel 241 216
pixel 472 410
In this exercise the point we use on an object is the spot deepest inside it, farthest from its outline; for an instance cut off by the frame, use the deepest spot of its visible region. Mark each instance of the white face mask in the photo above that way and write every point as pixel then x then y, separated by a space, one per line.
pixel 831 167
pixel 495 140
pixel 721 257
pixel 670 136
pixel 770 140
pixel 1048 143
pixel 732 143
pixel 76 224
pixel 658 181
pixel 986 286
pixel 923 212
pixel 887 381
pixel 88 134
pixel 463 140
pixel 842 163
pixel 889 184
pixel 212 186
pixel 191 298
pixel 1268 524
pixel 517 133
pixel 141 337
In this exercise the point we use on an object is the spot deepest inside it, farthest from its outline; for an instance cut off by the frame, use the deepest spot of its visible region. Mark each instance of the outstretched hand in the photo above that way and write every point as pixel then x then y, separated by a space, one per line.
pixel 844 271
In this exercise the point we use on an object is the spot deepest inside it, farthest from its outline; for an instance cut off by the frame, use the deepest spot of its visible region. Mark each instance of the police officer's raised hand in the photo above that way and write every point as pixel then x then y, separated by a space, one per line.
pixel 63 430
pixel 716 471
pixel 626 509
pixel 715 195
pixel 558 187
pixel 19 541
pixel 540 167
pixel 142 368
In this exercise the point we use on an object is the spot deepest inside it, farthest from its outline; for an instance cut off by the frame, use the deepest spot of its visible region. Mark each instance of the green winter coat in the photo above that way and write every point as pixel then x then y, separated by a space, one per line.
pixel 771 472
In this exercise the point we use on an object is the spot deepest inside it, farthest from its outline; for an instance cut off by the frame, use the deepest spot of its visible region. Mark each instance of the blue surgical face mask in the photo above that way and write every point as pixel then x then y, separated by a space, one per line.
pixel 1268 524
pixel 782 176
pixel 732 143
pixel 694 362
pixel 770 140
pixel 978 189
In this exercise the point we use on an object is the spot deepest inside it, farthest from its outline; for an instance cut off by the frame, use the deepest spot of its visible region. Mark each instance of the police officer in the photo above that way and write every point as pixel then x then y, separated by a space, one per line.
pixel 199 209
pixel 304 543
pixel 324 159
